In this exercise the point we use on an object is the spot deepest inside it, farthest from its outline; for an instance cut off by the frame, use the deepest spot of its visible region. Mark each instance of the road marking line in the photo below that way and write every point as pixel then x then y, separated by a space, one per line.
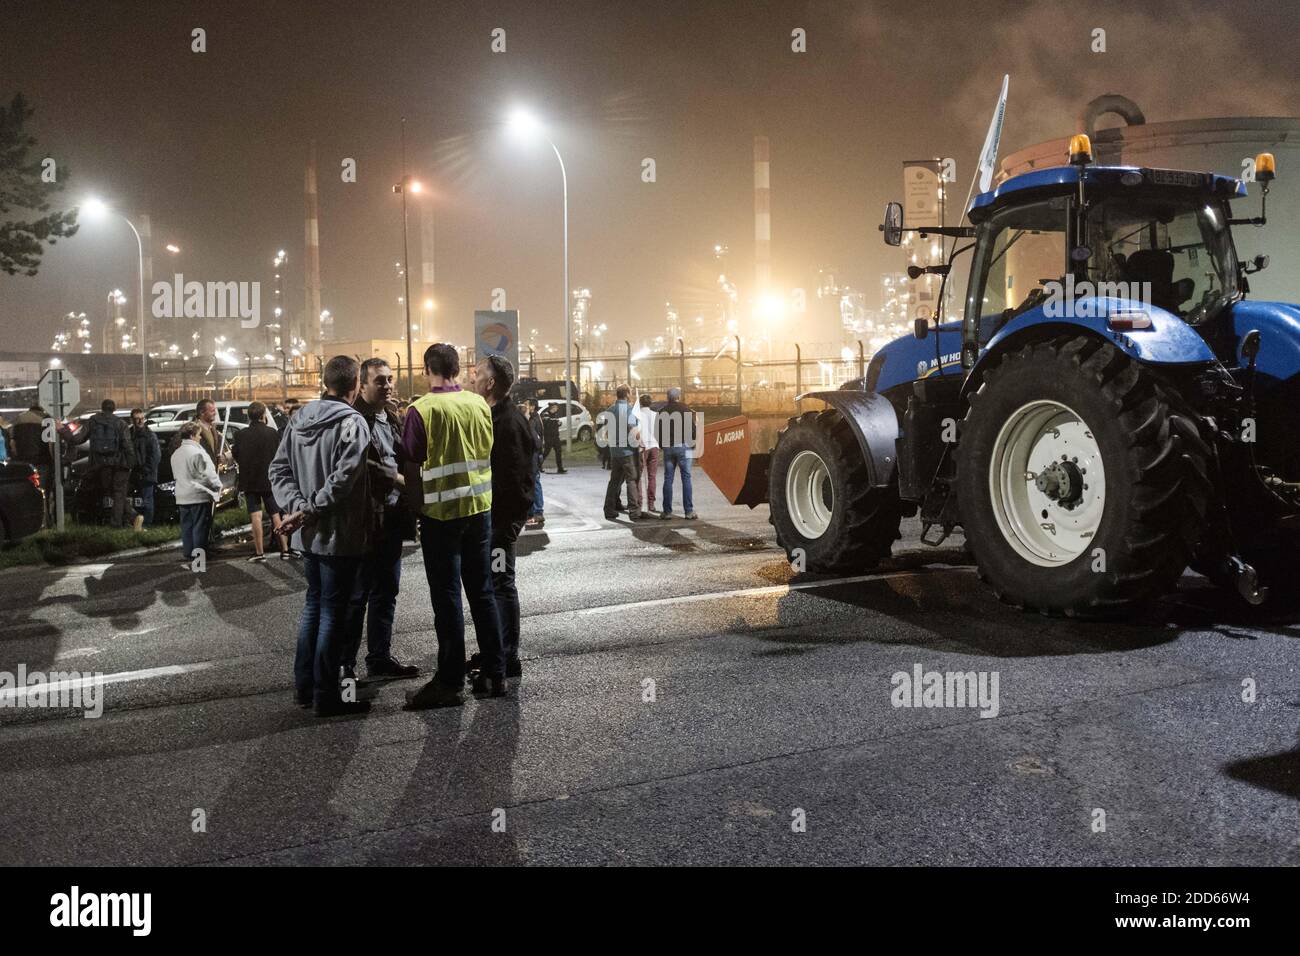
pixel 120 677
pixel 773 589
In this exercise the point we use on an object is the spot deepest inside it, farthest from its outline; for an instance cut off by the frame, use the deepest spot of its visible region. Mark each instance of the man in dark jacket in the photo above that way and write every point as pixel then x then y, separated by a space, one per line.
pixel 374 599
pixel 551 436
pixel 514 462
pixel 253 448
pixel 320 477
pixel 147 453
pixel 678 434
pixel 112 456
pixel 537 514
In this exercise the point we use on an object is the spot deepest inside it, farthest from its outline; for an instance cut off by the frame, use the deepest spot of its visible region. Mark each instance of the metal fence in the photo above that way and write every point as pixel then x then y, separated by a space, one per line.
pixel 729 377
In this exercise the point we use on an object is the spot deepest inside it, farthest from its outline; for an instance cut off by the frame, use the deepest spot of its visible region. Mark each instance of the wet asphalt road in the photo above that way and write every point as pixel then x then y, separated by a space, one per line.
pixel 685 700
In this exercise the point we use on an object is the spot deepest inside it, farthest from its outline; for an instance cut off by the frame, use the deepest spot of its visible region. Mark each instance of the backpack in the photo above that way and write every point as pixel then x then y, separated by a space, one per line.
pixel 105 441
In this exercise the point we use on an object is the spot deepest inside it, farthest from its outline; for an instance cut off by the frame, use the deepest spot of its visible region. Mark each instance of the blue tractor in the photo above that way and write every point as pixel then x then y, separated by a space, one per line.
pixel 1111 409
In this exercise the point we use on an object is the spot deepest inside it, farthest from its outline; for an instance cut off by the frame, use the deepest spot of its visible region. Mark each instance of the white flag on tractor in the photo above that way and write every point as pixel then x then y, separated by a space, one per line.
pixel 989 155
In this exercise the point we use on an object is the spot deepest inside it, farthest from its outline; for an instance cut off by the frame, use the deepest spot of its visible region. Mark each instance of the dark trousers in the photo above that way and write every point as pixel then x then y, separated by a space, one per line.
pixel 556 446
pixel 374 598
pixel 458 552
pixel 112 484
pixel 195 522
pixel 504 539
pixel 322 629
pixel 622 471
pixel 146 502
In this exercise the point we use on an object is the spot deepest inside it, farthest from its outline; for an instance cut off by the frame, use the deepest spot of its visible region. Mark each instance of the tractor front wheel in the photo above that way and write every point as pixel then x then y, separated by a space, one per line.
pixel 1082 480
pixel 827 516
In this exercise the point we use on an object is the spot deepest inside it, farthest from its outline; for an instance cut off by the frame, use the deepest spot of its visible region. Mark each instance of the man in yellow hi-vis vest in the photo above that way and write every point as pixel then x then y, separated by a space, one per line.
pixel 449 431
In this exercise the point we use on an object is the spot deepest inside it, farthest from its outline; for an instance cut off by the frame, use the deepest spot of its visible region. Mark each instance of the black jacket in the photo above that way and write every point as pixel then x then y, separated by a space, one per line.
pixel 147 454
pixel 675 425
pixel 115 429
pixel 539 431
pixel 253 448
pixel 514 465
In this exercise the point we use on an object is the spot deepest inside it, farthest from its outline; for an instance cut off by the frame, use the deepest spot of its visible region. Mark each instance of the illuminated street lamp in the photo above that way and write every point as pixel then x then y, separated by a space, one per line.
pixel 413 186
pixel 526 126
pixel 98 209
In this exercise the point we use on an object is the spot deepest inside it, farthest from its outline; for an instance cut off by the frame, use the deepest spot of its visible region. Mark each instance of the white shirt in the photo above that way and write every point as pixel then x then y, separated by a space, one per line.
pixel 645 418
pixel 196 480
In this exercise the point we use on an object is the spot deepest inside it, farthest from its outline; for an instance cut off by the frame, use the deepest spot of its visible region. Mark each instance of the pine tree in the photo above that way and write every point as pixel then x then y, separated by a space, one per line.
pixel 24 191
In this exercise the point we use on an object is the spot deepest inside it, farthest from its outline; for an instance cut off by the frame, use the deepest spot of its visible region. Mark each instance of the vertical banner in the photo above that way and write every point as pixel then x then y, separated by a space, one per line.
pixel 497 333
pixel 923 198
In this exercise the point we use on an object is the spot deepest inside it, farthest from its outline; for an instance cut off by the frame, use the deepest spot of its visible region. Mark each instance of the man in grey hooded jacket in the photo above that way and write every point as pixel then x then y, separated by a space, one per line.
pixel 319 477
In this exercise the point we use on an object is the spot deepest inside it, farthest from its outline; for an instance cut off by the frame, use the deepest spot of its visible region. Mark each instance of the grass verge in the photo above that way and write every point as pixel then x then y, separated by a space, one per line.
pixel 79 542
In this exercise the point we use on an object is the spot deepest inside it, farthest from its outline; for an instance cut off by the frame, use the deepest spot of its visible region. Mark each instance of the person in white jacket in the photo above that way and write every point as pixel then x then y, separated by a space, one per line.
pixel 197 490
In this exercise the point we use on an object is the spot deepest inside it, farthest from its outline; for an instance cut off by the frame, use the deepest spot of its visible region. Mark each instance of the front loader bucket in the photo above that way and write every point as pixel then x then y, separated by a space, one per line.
pixel 727 459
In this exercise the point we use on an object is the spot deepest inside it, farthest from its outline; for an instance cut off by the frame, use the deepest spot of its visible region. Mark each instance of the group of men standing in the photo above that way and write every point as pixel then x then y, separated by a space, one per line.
pixel 350 474
pixel 638 438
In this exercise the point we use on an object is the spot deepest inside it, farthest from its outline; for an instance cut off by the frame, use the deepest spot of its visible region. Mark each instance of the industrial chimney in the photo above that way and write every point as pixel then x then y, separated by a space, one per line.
pixel 311 334
pixel 762 217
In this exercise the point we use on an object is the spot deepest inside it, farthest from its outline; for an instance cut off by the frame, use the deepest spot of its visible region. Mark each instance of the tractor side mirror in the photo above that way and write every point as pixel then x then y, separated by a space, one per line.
pixel 892 227
pixel 1258 264
pixel 921 328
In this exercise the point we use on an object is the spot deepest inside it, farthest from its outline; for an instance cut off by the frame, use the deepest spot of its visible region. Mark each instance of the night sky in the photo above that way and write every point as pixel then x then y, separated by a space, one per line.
pixel 213 145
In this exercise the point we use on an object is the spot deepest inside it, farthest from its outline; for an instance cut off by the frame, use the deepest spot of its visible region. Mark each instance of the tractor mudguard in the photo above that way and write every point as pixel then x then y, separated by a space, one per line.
pixel 875 425
pixel 1169 340
pixel 1279 326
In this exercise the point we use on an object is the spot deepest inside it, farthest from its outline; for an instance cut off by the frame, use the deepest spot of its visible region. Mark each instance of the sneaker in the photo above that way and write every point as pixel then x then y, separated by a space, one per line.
pixel 290 553
pixel 636 515
pixel 540 521
pixel 665 515
pixel 391 669
pixel 341 708
pixel 431 695
pixel 611 517
pixel 561 471
pixel 257 559
pixel 485 686
pixel 303 698
pixel 692 516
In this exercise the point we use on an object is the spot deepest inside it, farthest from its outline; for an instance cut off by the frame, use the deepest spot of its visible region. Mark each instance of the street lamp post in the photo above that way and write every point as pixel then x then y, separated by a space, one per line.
pixel 97 207
pixel 525 123
pixel 407 185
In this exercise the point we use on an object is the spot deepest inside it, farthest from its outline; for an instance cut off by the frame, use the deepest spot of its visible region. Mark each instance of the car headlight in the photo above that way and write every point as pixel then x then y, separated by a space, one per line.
pixel 168 486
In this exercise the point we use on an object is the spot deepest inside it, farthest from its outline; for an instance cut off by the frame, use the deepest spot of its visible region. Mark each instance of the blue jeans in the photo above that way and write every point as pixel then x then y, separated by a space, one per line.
pixel 538 502
pixel 375 594
pixel 196 522
pixel 323 627
pixel 146 502
pixel 458 552
pixel 675 458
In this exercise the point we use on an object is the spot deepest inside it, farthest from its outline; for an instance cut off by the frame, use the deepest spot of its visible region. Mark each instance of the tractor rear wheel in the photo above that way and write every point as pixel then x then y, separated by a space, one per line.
pixel 1082 479
pixel 827 516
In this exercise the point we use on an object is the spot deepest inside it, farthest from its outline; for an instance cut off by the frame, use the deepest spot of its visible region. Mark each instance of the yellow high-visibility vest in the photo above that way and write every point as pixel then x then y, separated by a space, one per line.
pixel 457 468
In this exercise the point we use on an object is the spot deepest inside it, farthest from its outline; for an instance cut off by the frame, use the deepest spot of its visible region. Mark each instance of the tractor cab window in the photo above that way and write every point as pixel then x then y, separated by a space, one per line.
pixel 1020 250
pixel 1175 254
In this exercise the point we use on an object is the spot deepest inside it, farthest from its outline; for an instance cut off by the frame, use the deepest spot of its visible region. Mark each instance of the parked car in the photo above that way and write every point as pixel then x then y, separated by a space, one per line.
pixel 89 508
pixel 578 421
pixel 226 412
pixel 22 501
pixel 529 388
